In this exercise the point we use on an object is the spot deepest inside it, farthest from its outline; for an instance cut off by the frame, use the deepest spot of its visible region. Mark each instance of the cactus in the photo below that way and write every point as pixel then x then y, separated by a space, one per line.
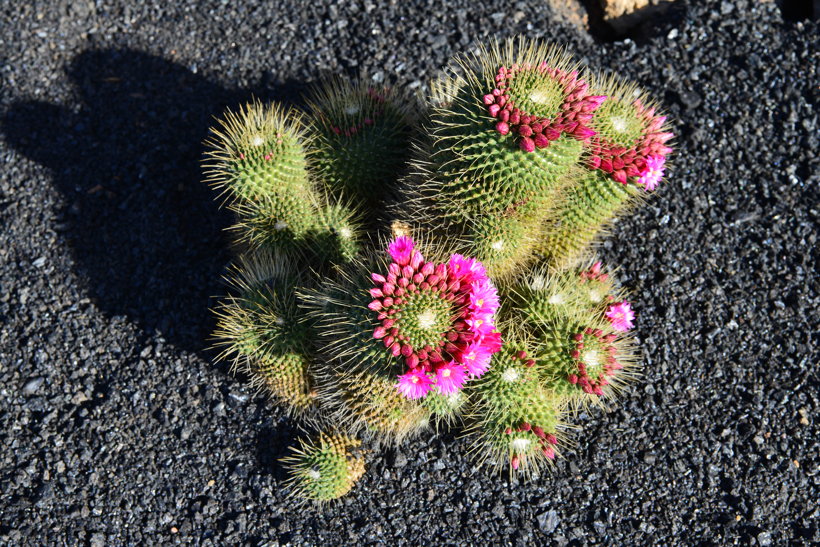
pixel 361 135
pixel 261 331
pixel 324 470
pixel 258 153
pixel 515 416
pixel 506 126
pixel 623 161
pixel 482 303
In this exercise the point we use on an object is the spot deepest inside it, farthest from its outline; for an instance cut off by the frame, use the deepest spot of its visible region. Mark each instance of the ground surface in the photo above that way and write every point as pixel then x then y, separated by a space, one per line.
pixel 115 426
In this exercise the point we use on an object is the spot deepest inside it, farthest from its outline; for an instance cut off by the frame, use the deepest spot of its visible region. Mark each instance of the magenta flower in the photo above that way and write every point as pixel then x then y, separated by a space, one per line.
pixel 652 173
pixel 483 298
pixel 481 325
pixel 466 269
pixel 415 384
pixel 492 341
pixel 401 250
pixel 450 377
pixel 476 359
pixel 621 316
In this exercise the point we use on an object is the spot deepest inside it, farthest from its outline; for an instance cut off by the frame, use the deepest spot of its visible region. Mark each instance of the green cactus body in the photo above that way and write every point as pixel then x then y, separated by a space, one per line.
pixel 549 293
pixel 337 235
pixel 503 242
pixel 357 377
pixel 360 144
pixel 444 409
pixel 583 361
pixel 515 417
pixel 479 172
pixel 256 153
pixel 371 401
pixel 325 470
pixel 586 209
pixel 286 376
pixel 282 222
pixel 505 129
pixel 262 332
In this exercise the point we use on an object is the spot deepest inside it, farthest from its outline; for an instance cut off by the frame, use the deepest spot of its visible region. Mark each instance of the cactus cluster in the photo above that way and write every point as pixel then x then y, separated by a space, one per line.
pixel 404 262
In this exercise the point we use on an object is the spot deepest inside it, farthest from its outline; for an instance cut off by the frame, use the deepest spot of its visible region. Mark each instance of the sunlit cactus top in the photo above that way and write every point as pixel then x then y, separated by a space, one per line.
pixel 630 138
pixel 539 103
pixel 439 318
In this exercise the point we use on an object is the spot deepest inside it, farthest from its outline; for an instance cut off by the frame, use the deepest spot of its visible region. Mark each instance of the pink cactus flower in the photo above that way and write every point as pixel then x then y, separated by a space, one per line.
pixel 481 324
pixel 450 377
pixel 652 173
pixel 621 316
pixel 415 384
pixel 401 250
pixel 483 297
pixel 466 269
pixel 476 359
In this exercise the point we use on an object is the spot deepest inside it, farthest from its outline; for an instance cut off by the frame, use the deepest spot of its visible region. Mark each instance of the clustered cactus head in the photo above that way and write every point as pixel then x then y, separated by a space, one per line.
pixel 629 138
pixel 360 139
pixel 403 264
pixel 437 318
pixel 539 103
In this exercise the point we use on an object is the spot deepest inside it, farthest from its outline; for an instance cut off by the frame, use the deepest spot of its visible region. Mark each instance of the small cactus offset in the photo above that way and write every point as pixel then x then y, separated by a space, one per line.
pixel 408 264
pixel 325 470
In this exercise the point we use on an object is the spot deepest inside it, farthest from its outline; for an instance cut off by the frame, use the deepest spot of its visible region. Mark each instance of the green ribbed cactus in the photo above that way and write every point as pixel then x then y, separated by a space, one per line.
pixel 326 469
pixel 360 139
pixel 407 264
pixel 506 126
pixel 622 161
pixel 516 417
pixel 262 331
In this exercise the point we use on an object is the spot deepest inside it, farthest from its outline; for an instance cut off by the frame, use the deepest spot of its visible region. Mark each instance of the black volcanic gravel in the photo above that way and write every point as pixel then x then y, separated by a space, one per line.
pixel 116 426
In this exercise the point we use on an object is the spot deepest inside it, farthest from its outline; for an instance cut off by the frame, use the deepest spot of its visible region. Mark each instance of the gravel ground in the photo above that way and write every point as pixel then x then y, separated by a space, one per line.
pixel 116 426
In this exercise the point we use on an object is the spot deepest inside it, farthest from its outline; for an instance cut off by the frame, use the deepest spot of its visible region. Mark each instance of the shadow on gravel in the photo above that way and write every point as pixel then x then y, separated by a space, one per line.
pixel 146 233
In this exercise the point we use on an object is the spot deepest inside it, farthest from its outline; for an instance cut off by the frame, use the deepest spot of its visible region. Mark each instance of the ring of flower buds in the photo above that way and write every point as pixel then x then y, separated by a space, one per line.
pixel 458 291
pixel 642 163
pixel 574 113
pixel 594 386
pixel 548 441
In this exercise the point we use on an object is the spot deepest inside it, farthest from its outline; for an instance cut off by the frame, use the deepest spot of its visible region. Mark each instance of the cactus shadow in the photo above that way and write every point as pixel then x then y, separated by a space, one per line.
pixel 146 235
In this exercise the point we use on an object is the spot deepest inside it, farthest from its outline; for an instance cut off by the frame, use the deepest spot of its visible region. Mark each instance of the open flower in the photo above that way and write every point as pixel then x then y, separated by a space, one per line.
pixel 652 173
pixel 476 358
pixel 621 316
pixel 465 269
pixel 483 297
pixel 414 384
pixel 401 250
pixel 450 377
